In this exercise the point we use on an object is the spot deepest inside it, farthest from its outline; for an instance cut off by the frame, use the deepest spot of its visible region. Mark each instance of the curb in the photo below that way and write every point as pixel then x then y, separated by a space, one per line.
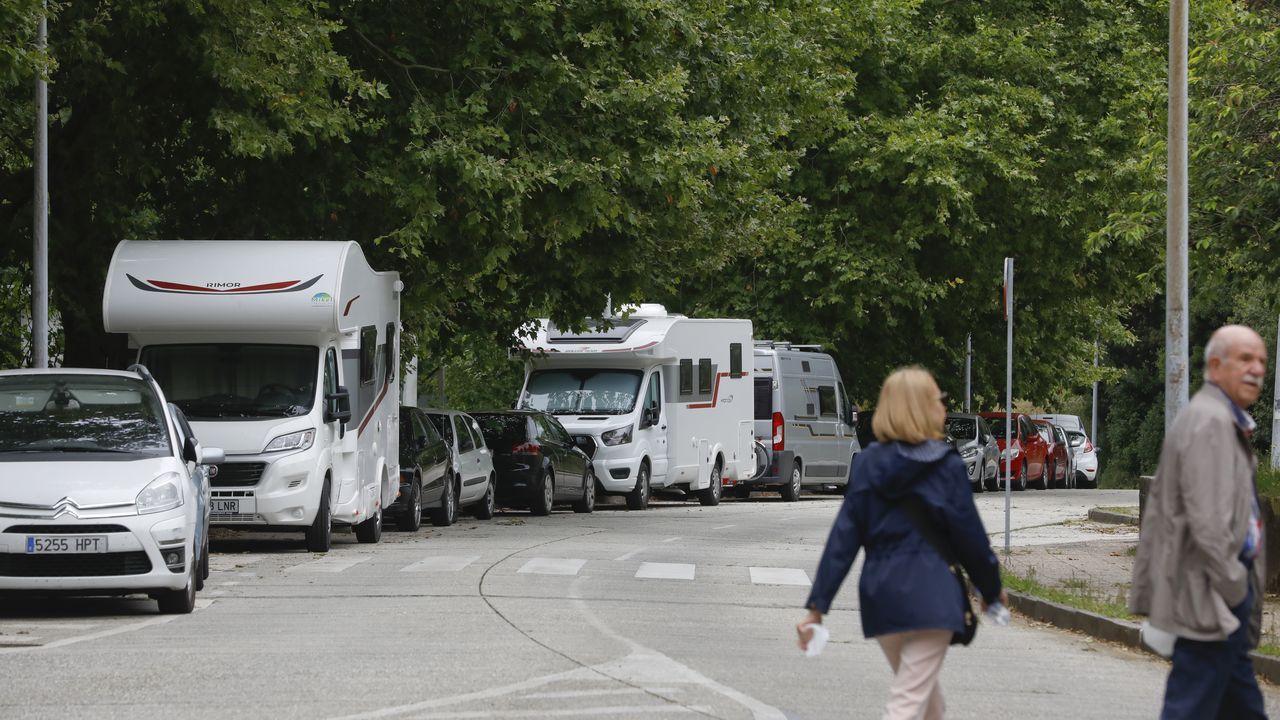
pixel 1106 516
pixel 1101 627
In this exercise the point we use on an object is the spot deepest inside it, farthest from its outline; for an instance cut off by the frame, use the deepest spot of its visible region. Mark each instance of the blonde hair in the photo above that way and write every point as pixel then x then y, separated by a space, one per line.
pixel 905 411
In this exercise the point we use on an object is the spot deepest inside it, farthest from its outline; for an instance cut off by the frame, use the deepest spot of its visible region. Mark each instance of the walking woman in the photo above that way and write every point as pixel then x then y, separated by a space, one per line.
pixel 911 602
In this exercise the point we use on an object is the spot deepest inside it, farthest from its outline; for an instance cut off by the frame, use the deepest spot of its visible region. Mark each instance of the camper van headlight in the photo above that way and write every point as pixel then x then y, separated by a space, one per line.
pixel 163 493
pixel 617 436
pixel 293 441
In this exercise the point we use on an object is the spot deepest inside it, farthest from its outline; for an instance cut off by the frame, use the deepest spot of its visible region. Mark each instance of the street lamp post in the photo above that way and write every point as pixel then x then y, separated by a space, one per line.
pixel 1176 381
pixel 40 226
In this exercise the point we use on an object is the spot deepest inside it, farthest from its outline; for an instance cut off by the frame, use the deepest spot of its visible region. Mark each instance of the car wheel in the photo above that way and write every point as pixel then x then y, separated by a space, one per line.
pixel 791 491
pixel 202 570
pixel 711 495
pixel 411 518
pixel 179 602
pixel 370 531
pixel 588 501
pixel 447 513
pixel 319 535
pixel 1022 478
pixel 638 498
pixel 542 493
pixel 486 508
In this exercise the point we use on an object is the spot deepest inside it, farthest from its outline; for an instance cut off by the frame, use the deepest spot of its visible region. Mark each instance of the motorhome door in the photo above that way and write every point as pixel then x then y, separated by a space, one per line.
pixel 652 427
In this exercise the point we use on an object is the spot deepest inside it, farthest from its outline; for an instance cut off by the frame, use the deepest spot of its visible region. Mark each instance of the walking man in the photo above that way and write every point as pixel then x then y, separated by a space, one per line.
pixel 1198 571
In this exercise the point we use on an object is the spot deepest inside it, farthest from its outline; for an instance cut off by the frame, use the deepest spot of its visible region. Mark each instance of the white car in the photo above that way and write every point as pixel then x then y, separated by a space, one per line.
pixel 1086 457
pixel 474 480
pixel 103 488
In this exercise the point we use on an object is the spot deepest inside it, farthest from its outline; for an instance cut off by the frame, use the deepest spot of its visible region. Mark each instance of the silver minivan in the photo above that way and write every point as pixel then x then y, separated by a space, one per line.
pixel 805 425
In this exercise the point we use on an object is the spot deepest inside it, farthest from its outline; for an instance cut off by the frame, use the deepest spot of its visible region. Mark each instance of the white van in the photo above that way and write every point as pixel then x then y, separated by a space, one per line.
pixel 657 400
pixel 803 414
pixel 286 355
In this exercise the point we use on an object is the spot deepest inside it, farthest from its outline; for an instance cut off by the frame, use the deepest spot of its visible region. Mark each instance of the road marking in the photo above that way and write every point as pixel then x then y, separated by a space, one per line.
pixel 665 571
pixel 723 527
pixel 552 566
pixel 231 562
pixel 157 620
pixel 329 564
pixel 779 576
pixel 441 563
pixel 628 556
pixel 671 539
pixel 230 582
pixel 9 626
pixel 575 712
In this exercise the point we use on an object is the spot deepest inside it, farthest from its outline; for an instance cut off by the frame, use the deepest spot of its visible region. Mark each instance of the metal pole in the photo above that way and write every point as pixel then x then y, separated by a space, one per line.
pixel 1093 419
pixel 40 226
pixel 968 370
pixel 1008 398
pixel 1275 408
pixel 1176 381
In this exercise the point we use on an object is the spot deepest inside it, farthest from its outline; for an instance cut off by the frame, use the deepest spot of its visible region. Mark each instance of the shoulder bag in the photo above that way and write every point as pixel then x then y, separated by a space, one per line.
pixel 916 513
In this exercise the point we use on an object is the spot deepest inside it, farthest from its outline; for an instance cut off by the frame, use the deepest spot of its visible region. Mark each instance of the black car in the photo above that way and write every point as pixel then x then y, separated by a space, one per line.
pixel 424 473
pixel 536 461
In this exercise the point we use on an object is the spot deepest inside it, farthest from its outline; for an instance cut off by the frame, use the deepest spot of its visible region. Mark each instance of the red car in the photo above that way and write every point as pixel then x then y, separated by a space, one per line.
pixel 1029 453
pixel 1059 454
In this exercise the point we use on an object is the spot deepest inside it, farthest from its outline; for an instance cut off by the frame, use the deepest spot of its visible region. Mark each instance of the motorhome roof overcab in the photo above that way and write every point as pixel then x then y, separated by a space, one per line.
pixel 286 355
pixel 658 400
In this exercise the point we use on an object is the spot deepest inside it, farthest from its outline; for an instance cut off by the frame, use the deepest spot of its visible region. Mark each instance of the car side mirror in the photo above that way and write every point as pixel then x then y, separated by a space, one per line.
pixel 190 451
pixel 337 406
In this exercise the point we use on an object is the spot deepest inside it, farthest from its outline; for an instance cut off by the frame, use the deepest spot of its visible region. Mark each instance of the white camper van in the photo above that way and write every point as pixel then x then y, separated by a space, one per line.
pixel 286 355
pixel 657 400
pixel 804 418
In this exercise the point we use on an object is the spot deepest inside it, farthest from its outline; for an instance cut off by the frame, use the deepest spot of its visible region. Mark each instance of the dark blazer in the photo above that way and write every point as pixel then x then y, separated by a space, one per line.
pixel 905 584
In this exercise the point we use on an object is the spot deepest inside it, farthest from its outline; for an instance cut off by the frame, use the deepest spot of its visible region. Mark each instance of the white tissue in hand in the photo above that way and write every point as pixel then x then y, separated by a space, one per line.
pixel 818 641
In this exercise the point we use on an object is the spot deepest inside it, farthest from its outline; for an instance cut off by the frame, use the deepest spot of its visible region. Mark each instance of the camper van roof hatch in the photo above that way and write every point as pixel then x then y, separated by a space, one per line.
pixel 619 331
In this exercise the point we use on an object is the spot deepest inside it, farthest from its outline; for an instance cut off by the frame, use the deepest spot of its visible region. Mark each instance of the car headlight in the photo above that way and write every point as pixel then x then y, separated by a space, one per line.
pixel 163 493
pixel 293 441
pixel 1010 455
pixel 617 436
pixel 969 453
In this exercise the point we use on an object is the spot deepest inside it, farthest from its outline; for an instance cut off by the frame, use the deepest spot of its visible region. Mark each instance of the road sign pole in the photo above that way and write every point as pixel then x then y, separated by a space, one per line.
pixel 1008 397
pixel 968 370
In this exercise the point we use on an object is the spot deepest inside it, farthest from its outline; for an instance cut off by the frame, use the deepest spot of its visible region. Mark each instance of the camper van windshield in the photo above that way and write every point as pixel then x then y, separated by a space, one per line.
pixel 231 380
pixel 597 392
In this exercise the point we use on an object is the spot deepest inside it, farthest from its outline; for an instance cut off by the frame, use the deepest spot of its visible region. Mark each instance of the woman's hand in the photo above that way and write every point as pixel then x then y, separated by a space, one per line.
pixel 1004 600
pixel 806 634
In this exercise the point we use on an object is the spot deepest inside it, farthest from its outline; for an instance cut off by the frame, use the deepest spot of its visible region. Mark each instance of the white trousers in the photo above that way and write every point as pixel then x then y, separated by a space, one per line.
pixel 916 659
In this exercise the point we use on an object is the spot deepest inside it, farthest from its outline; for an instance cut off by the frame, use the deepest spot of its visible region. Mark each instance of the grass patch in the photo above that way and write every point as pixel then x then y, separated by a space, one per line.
pixel 1268 479
pixel 1079 594
pixel 1110 479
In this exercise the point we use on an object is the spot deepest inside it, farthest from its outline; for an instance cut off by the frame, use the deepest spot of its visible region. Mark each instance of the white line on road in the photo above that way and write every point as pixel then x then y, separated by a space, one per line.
pixel 441 563
pixel 665 571
pixel 779 576
pixel 628 556
pixel 157 620
pixel 723 527
pixel 329 564
pixel 671 539
pixel 553 566
pixel 580 694
pixel 575 712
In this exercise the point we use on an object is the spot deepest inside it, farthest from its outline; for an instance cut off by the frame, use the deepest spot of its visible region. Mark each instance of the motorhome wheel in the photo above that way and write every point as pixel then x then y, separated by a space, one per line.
pixel 791 491
pixel 638 498
pixel 711 495
pixel 370 531
pixel 319 536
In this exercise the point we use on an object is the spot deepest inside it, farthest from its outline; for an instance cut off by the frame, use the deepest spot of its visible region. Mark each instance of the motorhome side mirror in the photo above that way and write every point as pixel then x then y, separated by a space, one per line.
pixel 212 456
pixel 337 406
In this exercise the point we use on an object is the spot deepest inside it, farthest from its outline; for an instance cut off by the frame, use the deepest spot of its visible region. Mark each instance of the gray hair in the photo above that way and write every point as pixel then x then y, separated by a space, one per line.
pixel 1221 342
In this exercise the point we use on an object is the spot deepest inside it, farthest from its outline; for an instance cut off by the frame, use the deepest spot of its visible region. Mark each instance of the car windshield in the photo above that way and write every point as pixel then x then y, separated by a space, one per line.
pixel 73 413
pixel 962 428
pixel 595 392
pixel 502 430
pixel 230 380
pixel 998 427
pixel 1075 437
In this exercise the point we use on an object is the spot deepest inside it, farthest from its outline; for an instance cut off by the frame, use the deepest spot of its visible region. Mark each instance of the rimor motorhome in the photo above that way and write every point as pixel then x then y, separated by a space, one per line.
pixel 658 400
pixel 286 355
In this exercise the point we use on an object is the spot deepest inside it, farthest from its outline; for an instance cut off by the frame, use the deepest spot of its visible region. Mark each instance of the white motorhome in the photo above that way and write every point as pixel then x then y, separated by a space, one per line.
pixel 805 419
pixel 658 400
pixel 286 355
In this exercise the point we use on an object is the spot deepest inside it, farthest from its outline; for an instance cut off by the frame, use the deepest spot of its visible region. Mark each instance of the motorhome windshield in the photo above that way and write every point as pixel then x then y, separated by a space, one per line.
pixel 235 381
pixel 595 392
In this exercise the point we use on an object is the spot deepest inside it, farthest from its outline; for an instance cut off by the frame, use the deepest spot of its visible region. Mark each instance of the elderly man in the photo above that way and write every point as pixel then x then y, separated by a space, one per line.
pixel 1198 572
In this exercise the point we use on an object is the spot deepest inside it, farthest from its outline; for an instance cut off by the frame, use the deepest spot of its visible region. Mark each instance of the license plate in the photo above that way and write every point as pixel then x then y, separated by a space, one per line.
pixel 46 544
pixel 226 507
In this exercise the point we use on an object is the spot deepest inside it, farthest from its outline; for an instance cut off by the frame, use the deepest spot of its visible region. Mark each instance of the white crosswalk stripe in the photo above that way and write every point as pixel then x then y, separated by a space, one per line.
pixel 666 571
pixel 441 563
pixel 329 564
pixel 779 576
pixel 552 566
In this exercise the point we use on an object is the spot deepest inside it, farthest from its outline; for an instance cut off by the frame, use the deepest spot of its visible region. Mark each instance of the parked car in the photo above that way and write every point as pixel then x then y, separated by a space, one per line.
pixel 1067 422
pixel 1026 459
pixel 103 487
pixel 1086 459
pixel 537 463
pixel 981 453
pixel 474 479
pixel 1058 457
pixel 426 475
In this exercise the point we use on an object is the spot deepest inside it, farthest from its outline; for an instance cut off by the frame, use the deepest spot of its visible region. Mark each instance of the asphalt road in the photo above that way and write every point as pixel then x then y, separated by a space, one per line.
pixel 677 611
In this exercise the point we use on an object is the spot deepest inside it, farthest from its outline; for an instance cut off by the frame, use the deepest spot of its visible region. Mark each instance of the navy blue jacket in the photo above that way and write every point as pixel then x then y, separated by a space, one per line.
pixel 905 583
